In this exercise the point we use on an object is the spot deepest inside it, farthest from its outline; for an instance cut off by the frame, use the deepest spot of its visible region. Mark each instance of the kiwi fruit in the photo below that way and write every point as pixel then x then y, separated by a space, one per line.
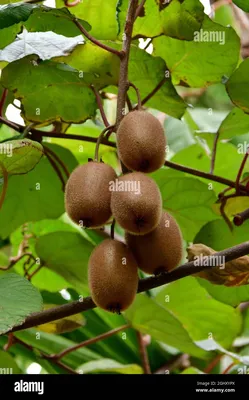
pixel 112 276
pixel 136 203
pixel 88 195
pixel 161 249
pixel 141 142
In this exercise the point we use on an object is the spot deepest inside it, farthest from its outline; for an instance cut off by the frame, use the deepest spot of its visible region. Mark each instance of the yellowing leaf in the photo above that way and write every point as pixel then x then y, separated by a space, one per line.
pixel 67 324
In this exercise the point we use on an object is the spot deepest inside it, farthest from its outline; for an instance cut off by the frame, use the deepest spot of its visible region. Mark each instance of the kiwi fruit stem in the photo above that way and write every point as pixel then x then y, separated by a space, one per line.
pixel 100 138
pixel 139 103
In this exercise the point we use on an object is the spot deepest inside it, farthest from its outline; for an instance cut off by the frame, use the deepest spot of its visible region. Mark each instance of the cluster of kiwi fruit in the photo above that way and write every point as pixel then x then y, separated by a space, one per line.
pixel 153 240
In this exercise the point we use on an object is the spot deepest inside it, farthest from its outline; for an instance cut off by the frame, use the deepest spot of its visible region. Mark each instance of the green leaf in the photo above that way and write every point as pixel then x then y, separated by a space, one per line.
pixel 11 14
pixel 227 164
pixel 182 19
pixel 100 15
pixel 188 199
pixel 59 21
pixel 52 344
pixel 20 156
pixel 34 196
pixel 238 86
pixel 8 35
pixel 62 84
pixel 108 366
pixel 90 58
pixel 18 300
pixel 67 324
pixel 146 71
pixel 192 371
pixel 218 236
pixel 200 315
pixel 66 253
pixel 149 317
pixel 8 364
pixel 236 123
pixel 242 4
pixel 217 60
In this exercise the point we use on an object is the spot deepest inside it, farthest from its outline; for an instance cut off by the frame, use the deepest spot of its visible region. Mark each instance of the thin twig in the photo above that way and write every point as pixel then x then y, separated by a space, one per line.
pixel 213 363
pixel 72 4
pixel 5 184
pixel 43 355
pixel 129 103
pixel 100 105
pixel 100 139
pixel 202 174
pixel 88 342
pixel 139 9
pixel 240 218
pixel 177 362
pixel 214 152
pixel 35 271
pixel 139 104
pixel 148 43
pixel 113 229
pixel 154 91
pixel 95 41
pixel 152 282
pixel 10 342
pixel 228 368
pixel 56 169
pixel 237 184
pixel 143 353
pixel 223 213
pixel 2 101
pixel 60 162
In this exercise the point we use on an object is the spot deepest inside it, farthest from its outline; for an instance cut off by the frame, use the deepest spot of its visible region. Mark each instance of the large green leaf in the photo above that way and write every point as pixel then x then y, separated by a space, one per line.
pixel 100 15
pixel 18 300
pixel 149 317
pixel 145 71
pixel 217 60
pixel 67 254
pixel 109 366
pixel 93 59
pixel 8 364
pixel 202 316
pixel 218 236
pixel 8 35
pixel 68 95
pixel 19 156
pixel 34 196
pixel 187 199
pixel 182 19
pixel 238 86
pixel 59 21
pixel 11 14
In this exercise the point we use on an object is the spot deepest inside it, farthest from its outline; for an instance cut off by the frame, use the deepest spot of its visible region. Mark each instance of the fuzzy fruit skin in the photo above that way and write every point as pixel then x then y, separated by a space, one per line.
pixel 137 213
pixel 87 194
pixel 112 276
pixel 160 250
pixel 141 142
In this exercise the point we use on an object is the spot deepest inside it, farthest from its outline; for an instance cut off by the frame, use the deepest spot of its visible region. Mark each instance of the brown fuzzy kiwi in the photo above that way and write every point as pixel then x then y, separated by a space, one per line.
pixel 160 250
pixel 113 276
pixel 136 203
pixel 88 195
pixel 141 142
